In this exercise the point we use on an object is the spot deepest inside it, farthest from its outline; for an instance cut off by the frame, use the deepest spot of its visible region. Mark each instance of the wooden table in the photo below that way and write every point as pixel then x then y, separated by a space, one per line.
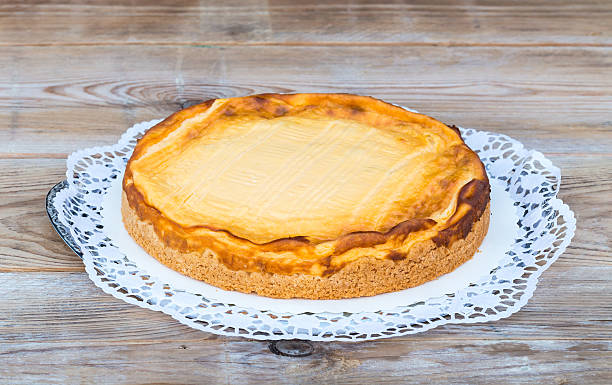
pixel 74 75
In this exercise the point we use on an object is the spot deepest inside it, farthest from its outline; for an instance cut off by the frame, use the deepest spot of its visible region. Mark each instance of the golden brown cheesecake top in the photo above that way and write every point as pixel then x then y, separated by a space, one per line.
pixel 327 172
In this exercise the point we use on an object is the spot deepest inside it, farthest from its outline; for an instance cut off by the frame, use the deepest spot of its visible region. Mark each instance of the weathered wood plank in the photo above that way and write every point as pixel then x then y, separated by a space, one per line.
pixel 306 22
pixel 531 94
pixel 585 188
pixel 79 311
pixel 58 131
pixel 241 361
pixel 27 240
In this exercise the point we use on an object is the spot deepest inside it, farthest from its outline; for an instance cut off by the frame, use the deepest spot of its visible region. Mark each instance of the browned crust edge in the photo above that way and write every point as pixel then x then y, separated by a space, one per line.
pixel 365 276
pixel 474 196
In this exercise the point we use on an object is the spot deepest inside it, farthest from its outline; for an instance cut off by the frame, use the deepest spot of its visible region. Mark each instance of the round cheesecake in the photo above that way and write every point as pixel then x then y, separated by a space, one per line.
pixel 319 196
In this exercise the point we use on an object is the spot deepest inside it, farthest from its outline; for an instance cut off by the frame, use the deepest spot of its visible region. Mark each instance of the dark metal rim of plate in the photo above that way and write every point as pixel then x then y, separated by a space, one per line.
pixel 62 230
pixel 288 348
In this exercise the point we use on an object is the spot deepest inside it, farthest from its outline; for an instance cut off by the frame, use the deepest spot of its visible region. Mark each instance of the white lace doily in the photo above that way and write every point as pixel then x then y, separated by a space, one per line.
pixel 546 226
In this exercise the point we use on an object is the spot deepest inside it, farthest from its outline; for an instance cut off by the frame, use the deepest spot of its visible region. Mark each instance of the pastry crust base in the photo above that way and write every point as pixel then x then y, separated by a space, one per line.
pixel 366 276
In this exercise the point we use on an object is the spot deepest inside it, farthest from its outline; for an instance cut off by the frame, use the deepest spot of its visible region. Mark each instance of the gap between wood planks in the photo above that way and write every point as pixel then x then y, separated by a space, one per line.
pixel 214 339
pixel 42 155
pixel 211 44
pixel 67 269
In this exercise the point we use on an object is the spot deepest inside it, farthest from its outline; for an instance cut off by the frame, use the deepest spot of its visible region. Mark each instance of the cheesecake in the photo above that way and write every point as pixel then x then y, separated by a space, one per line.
pixel 318 196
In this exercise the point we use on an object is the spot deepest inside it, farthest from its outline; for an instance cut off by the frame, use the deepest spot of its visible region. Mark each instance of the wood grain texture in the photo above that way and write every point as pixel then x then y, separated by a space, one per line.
pixel 307 22
pixel 77 74
pixel 27 240
pixel 79 311
pixel 249 362
pixel 107 89
pixel 81 326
